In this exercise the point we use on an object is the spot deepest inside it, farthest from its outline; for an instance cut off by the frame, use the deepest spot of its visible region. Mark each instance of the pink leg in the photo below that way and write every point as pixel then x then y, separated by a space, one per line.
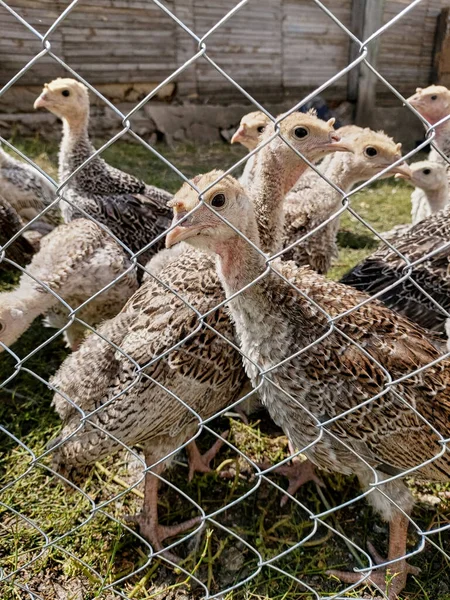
pixel 200 463
pixel 298 473
pixel 147 519
pixel 397 572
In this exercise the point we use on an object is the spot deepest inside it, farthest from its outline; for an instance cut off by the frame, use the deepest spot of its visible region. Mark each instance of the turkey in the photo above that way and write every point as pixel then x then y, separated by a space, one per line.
pixel 250 128
pixel 431 193
pixel 332 397
pixel 164 347
pixel 136 213
pixel 313 201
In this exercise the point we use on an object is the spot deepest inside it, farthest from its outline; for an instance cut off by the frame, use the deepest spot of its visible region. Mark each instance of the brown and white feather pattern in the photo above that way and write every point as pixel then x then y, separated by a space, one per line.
pixel 306 207
pixel 91 260
pixel 274 322
pixel 19 251
pixel 28 192
pixel 204 371
pixel 385 267
pixel 135 212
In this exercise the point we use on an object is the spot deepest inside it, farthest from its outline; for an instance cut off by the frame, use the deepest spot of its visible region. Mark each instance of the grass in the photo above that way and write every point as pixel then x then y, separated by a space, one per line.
pixel 89 542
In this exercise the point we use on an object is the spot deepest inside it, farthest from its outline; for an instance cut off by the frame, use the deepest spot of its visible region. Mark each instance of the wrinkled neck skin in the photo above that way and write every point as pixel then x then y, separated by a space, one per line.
pixel 75 146
pixel 238 263
pixel 272 178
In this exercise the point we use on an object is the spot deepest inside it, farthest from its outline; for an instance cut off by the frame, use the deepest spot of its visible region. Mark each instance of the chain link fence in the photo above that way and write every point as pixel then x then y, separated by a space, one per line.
pixel 79 544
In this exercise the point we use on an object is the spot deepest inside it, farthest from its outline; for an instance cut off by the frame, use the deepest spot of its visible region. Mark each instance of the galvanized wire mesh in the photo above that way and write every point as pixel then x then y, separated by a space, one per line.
pixel 16 578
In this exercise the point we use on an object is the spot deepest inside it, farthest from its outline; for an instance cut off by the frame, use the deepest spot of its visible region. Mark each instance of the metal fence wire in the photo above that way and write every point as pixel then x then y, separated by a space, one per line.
pixel 78 543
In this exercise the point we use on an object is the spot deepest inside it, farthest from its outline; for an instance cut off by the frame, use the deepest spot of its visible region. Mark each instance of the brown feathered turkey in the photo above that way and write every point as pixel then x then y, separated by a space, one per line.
pixel 136 213
pixel 164 347
pixel 324 367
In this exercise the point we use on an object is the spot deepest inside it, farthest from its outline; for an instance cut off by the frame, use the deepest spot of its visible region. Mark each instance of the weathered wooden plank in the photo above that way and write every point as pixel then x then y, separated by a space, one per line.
pixel 373 19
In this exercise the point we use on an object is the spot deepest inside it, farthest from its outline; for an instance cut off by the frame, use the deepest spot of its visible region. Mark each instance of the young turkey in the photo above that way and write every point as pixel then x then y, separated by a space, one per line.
pixel 90 261
pixel 28 192
pixel 431 193
pixel 203 370
pixel 251 127
pixel 135 212
pixel 20 251
pixel 433 103
pixel 313 201
pixel 333 400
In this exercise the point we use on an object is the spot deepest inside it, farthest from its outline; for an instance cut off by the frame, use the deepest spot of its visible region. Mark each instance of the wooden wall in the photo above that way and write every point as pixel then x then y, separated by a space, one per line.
pixel 275 49
pixel 442 49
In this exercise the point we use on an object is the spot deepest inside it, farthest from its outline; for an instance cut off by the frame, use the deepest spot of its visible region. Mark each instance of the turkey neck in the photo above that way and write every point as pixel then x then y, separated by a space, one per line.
pixel 438 199
pixel 443 138
pixel 76 146
pixel 340 168
pixel 274 174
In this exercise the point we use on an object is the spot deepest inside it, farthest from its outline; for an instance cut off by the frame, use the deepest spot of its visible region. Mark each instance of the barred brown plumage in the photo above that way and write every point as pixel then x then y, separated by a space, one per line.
pixel 135 212
pixel 20 251
pixel 385 267
pixel 328 386
pixel 205 370
pixel 28 192
pixel 313 200
pixel 91 260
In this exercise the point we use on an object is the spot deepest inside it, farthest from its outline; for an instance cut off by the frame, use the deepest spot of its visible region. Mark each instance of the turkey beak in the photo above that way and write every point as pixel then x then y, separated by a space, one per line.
pixel 402 171
pixel 414 100
pixel 239 135
pixel 337 144
pixel 41 102
pixel 181 232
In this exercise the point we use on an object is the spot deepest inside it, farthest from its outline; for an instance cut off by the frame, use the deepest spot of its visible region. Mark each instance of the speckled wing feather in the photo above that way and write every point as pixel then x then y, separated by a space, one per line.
pixel 80 241
pixel 311 202
pixel 204 371
pixel 384 267
pixel 335 376
pixel 135 212
pixel 19 251
pixel 134 222
pixel 28 192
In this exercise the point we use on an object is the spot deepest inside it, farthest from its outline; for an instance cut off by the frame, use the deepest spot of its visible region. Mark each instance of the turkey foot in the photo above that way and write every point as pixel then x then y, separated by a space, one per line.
pixel 147 519
pixel 391 579
pixel 200 463
pixel 298 473
pixel 156 533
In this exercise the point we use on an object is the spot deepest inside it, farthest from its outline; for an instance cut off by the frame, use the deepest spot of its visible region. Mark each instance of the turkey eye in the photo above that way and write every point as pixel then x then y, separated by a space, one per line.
pixel 426 171
pixel 434 97
pixel 301 132
pixel 218 201
pixel 2 326
pixel 65 93
pixel 370 151
pixel 260 129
